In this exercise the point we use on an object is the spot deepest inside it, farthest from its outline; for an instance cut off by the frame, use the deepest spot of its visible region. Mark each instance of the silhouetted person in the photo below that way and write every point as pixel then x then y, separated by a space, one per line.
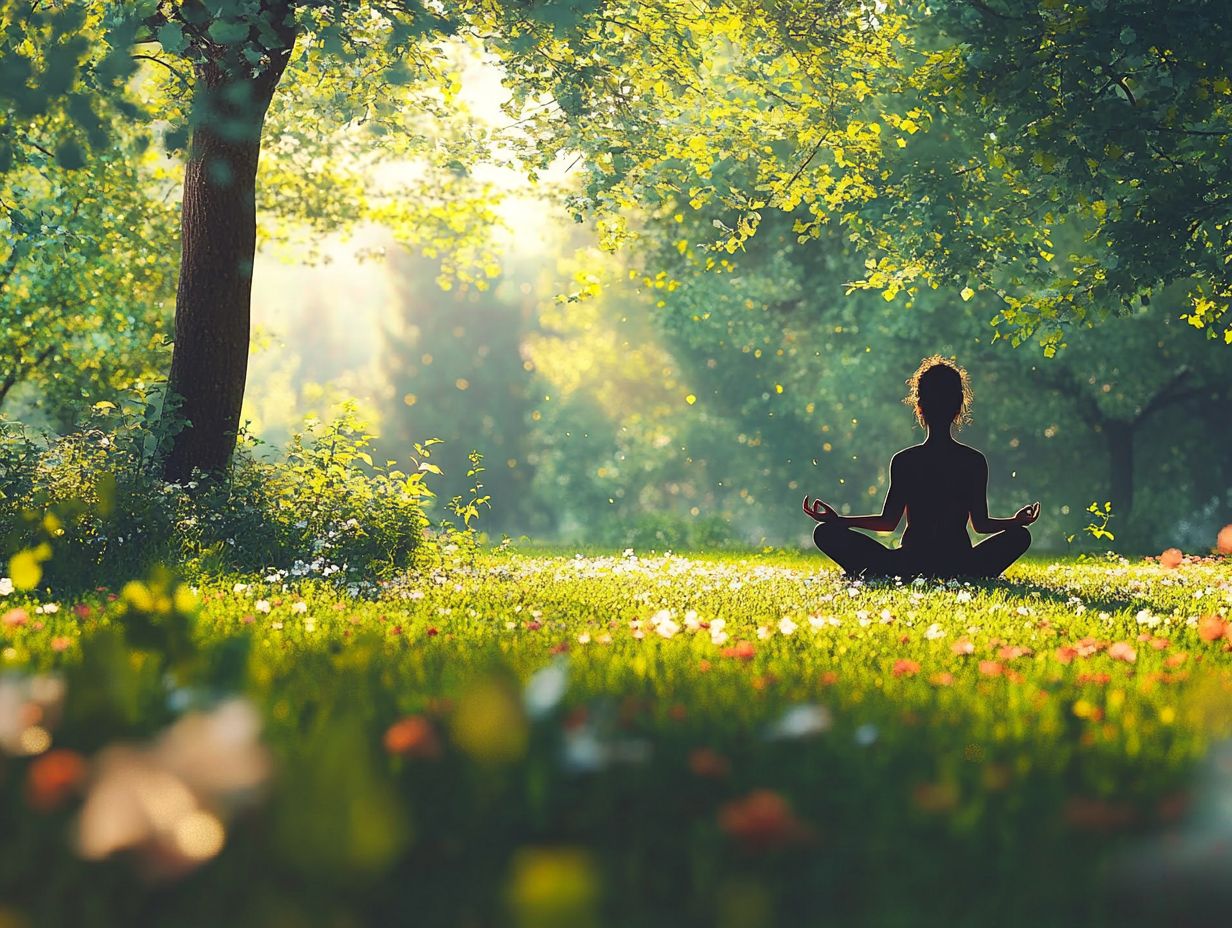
pixel 940 485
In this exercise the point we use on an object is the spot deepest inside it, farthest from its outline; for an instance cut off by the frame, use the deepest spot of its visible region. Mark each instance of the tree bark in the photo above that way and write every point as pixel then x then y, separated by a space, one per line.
pixel 1119 437
pixel 209 361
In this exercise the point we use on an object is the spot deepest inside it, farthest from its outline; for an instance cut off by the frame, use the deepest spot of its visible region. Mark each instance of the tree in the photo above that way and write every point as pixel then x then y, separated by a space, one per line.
pixel 578 68
pixel 1069 157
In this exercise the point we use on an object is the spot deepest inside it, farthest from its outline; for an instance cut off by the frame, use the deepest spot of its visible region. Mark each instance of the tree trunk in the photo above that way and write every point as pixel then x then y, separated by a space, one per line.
pixel 209 363
pixel 1120 440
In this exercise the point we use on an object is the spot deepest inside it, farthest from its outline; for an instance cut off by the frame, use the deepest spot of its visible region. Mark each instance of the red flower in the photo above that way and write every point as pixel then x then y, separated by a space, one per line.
pixel 762 820
pixel 904 667
pixel 52 777
pixel 741 651
pixel 1066 654
pixel 1212 627
pixel 413 736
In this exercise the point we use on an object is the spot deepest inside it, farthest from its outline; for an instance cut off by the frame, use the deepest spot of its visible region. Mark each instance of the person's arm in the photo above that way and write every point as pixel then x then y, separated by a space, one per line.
pixel 980 520
pixel 891 511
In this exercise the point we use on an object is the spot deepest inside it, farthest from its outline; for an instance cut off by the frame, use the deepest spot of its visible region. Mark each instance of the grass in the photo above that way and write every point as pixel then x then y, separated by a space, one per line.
pixel 619 740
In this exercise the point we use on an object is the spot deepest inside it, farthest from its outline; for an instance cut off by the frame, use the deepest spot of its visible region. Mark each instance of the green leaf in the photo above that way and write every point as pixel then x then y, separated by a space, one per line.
pixel 171 38
pixel 70 156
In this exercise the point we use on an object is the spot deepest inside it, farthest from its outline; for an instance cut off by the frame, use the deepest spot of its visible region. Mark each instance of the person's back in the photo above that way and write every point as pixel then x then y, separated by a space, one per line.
pixel 939 485
pixel 937 478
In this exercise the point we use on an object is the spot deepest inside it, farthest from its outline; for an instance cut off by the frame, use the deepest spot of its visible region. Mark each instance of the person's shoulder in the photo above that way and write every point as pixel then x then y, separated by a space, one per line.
pixel 974 455
pixel 905 455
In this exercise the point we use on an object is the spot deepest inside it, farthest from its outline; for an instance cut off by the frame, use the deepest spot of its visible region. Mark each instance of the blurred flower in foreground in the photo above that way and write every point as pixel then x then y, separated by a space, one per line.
pixel 552 887
pixel 489 724
pixel 1171 558
pixel 29 710
pixel 1224 542
pixel 762 820
pixel 545 689
pixel 413 736
pixel 53 777
pixel 800 721
pixel 170 801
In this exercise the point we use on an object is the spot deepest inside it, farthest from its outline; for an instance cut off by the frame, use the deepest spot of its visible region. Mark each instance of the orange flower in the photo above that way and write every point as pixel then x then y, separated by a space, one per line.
pixel 413 736
pixel 53 777
pixel 1223 543
pixel 709 764
pixel 1066 654
pixel 1175 660
pixel 1171 558
pixel 60 643
pixel 1123 651
pixel 904 667
pixel 963 646
pixel 762 820
pixel 15 618
pixel 990 668
pixel 1010 651
pixel 741 651
pixel 829 677
pixel 1212 627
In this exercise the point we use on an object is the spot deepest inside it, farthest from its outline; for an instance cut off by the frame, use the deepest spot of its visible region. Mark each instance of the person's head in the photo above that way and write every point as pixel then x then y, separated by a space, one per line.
pixel 940 393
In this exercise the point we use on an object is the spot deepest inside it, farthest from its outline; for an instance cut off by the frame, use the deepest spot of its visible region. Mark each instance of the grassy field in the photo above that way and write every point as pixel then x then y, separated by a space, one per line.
pixel 622 740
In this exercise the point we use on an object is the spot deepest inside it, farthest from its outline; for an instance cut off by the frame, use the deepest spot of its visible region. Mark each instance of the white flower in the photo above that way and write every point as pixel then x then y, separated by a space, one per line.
pixel 667 628
pixel 786 625
pixel 310 625
pixel 691 622
pixel 933 632
pixel 718 636
pixel 47 609
pixel 1148 618
pixel 239 588
pixel 763 632
pixel 583 638
pixel 1023 610
pixel 545 689
pixel 262 605
pixel 6 586
pixel 801 721
pixel 299 607
pixel 964 596
pixel 886 616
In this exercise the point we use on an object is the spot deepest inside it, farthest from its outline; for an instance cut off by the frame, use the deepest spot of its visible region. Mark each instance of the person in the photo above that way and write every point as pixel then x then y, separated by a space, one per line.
pixel 940 485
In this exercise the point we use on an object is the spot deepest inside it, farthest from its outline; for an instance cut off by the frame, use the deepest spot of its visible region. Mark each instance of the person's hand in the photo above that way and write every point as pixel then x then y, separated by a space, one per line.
pixel 1027 514
pixel 819 511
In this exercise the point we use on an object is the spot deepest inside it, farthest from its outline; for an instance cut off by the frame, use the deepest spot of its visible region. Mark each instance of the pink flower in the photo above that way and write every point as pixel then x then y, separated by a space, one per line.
pixel 1123 651
pixel 15 618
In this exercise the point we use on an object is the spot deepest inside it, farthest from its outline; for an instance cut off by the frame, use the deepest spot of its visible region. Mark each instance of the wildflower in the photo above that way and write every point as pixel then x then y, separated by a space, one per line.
pixel 299 607
pixel 802 721
pixel 866 734
pixel 964 596
pixel 1223 542
pixel 1065 654
pixel 905 667
pixel 15 618
pixel 1123 651
pixel 1213 627
pixel 787 625
pixel 1171 558
pixel 763 632
pixel 413 736
pixel 6 586
pixel 545 689
pixel 239 588
pixel 963 646
pixel 933 632
pixel 60 643
pixel 944 678
pixel 53 777
pixel 741 651
pixel 991 668
pixel 1147 618
pixel 262 605
pixel 762 820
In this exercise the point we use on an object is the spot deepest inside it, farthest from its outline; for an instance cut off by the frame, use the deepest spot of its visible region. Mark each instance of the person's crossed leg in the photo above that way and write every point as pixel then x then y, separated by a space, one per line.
pixel 862 556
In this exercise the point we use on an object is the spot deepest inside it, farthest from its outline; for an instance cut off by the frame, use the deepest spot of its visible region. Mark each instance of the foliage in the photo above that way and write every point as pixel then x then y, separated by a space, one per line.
pixel 322 508
pixel 626 740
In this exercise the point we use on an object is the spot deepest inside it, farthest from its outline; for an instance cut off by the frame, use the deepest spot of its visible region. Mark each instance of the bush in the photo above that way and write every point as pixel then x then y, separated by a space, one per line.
pixel 323 508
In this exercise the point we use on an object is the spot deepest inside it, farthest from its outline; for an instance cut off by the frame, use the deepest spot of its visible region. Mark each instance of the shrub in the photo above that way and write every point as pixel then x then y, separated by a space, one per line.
pixel 322 508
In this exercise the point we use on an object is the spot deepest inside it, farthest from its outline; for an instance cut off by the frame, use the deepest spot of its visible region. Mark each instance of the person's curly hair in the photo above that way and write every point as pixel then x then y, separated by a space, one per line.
pixel 939 392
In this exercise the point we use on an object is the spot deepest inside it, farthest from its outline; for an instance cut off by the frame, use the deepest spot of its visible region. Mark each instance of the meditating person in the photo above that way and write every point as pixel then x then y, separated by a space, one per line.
pixel 940 485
